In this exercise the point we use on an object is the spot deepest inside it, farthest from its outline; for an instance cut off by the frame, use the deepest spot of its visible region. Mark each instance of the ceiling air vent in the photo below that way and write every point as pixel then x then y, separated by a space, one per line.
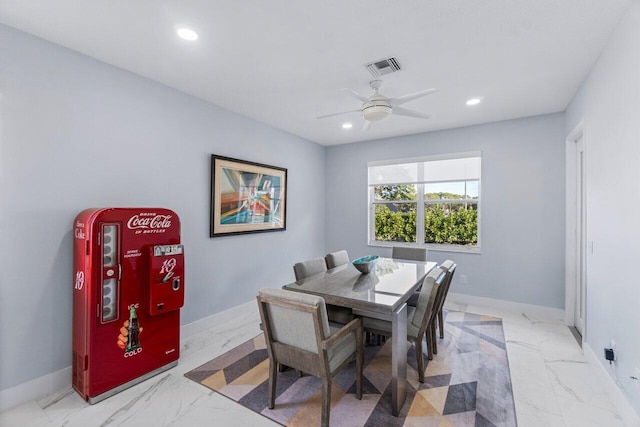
pixel 384 66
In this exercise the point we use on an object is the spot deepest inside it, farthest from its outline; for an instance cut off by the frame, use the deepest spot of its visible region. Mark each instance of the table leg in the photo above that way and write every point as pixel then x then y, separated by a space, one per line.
pixel 398 359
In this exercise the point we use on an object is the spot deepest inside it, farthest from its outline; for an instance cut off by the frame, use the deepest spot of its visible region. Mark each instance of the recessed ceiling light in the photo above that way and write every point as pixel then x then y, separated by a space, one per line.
pixel 474 101
pixel 187 34
pixel 347 126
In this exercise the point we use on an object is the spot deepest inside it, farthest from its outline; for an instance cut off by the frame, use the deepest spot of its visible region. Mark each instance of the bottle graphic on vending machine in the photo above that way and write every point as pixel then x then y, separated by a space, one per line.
pixel 134 330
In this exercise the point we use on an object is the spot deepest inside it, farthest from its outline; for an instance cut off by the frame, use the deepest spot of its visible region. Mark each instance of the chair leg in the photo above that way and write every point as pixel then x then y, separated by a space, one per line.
pixel 420 360
pixel 326 402
pixel 427 336
pixel 434 343
pixel 359 365
pixel 273 372
pixel 441 324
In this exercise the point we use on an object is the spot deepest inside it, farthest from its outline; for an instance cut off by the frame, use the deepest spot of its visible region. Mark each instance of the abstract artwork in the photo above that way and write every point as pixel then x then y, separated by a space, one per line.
pixel 246 197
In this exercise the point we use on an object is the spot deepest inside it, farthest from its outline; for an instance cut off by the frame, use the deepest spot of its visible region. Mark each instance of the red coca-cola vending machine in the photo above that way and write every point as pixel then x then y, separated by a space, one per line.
pixel 128 290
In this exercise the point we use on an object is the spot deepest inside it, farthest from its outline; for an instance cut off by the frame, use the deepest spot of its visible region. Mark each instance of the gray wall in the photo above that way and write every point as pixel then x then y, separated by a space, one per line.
pixel 76 133
pixel 522 205
pixel 609 103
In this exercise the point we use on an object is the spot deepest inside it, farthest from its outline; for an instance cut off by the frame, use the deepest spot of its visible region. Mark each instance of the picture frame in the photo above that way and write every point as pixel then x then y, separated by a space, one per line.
pixel 246 197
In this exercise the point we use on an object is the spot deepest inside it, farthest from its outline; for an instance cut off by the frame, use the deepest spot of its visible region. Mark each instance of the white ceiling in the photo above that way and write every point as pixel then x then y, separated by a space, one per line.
pixel 284 62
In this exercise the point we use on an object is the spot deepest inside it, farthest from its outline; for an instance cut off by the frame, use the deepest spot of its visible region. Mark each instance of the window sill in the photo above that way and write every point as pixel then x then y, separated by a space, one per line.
pixel 434 248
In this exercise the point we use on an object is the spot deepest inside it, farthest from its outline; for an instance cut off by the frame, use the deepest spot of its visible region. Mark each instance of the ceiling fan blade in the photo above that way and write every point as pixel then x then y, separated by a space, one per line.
pixel 356 95
pixel 399 111
pixel 410 97
pixel 339 114
pixel 367 125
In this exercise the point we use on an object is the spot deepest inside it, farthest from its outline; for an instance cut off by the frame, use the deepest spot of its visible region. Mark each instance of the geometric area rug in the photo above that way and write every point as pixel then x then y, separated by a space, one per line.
pixel 467 384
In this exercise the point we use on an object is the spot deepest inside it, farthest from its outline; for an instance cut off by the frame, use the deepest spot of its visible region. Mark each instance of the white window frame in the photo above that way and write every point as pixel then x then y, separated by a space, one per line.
pixel 420 203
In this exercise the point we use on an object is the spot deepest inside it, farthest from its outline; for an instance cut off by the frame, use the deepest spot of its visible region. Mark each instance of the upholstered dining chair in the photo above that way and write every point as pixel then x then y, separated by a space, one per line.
pixel 318 265
pixel 297 334
pixel 309 268
pixel 335 259
pixel 450 268
pixel 413 254
pixel 419 319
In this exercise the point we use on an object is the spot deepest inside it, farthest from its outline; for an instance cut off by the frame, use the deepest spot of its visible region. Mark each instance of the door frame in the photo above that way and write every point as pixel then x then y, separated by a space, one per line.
pixel 571 212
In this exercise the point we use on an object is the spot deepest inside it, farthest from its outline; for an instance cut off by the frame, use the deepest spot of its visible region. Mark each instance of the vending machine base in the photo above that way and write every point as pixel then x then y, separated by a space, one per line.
pixel 107 394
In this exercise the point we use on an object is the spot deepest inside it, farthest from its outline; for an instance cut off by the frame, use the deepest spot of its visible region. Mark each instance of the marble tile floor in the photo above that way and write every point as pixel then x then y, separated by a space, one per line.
pixel 552 383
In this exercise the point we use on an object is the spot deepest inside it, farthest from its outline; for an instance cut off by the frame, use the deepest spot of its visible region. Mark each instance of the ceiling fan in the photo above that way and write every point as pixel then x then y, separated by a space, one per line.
pixel 378 107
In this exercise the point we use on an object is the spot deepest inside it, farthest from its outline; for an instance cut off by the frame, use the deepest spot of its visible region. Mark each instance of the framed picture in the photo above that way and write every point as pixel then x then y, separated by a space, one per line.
pixel 246 197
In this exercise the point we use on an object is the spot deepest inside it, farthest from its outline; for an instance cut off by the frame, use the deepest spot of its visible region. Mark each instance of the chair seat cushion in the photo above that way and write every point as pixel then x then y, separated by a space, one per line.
pixel 385 326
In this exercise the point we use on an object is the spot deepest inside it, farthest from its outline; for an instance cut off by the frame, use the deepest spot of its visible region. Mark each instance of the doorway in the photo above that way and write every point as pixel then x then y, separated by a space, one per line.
pixel 581 241
pixel 576 231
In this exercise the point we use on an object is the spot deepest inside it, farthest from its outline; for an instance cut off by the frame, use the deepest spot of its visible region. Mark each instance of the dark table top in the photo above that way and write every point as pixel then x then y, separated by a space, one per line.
pixel 382 291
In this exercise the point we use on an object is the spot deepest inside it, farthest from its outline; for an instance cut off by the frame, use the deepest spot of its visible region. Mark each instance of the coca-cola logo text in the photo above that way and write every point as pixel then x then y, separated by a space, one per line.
pixel 149 222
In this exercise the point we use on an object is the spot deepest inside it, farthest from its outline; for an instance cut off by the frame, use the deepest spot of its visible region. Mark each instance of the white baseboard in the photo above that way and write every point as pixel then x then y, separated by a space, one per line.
pixel 61 379
pixel 625 410
pixel 518 307
pixel 35 388
pixel 216 319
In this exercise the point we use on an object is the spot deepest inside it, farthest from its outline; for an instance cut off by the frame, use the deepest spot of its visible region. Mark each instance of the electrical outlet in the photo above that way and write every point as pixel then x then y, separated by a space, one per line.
pixel 463 279
pixel 612 346
pixel 609 355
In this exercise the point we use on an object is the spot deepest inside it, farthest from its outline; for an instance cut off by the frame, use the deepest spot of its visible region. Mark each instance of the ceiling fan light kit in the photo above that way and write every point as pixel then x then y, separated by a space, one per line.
pixel 376 111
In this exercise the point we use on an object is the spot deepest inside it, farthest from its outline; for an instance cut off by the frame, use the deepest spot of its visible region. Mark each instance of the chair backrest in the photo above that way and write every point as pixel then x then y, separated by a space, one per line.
pixel 335 259
pixel 413 254
pixel 425 306
pixel 293 319
pixel 309 268
pixel 449 268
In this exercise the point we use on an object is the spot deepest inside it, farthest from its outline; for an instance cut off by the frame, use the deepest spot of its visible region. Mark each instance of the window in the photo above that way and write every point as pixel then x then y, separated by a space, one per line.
pixel 432 201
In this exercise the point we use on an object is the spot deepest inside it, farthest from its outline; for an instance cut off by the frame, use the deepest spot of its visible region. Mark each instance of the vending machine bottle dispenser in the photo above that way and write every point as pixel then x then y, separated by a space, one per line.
pixel 128 290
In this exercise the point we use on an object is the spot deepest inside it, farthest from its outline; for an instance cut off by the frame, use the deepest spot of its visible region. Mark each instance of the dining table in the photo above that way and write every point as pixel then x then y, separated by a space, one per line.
pixel 380 294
